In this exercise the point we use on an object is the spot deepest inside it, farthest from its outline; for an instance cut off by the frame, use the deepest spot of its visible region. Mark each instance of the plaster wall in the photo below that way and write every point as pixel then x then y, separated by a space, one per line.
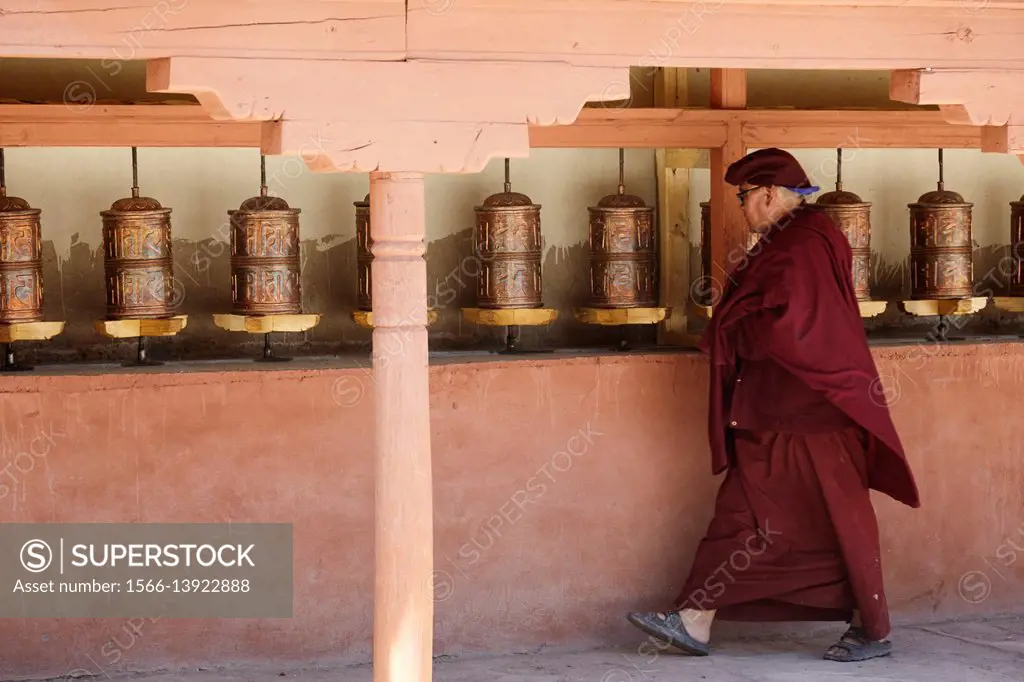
pixel 568 490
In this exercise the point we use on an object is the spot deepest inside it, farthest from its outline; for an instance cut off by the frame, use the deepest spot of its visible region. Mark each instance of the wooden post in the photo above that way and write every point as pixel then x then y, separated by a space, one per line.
pixel 728 227
pixel 403 598
pixel 673 218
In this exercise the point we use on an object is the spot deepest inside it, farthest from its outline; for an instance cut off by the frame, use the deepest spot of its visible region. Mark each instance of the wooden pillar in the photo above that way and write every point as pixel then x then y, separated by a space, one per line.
pixel 403 598
pixel 728 227
pixel 673 168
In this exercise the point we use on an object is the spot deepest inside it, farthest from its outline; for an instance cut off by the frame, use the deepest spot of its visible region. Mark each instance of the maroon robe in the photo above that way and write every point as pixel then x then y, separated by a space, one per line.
pixel 794 535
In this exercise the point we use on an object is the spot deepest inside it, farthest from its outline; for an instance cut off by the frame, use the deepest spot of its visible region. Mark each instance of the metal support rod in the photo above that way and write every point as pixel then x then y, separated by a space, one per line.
pixel 839 169
pixel 942 184
pixel 9 363
pixel 511 338
pixel 508 182
pixel 135 172
pixel 263 175
pixel 622 171
pixel 268 352
pixel 3 175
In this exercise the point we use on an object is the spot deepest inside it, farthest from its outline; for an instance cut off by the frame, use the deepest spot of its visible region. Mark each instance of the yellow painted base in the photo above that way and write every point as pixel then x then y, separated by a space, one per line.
pixel 364 318
pixel 514 317
pixel 128 329
pixel 29 331
pixel 614 317
pixel 264 324
pixel 872 308
pixel 947 307
pixel 867 309
pixel 1010 304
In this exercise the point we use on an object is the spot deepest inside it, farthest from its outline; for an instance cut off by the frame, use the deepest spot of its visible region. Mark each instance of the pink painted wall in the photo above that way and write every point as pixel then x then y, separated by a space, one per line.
pixel 567 492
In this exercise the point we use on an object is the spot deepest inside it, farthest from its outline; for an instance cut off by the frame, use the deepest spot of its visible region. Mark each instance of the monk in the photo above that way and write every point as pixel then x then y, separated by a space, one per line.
pixel 798 422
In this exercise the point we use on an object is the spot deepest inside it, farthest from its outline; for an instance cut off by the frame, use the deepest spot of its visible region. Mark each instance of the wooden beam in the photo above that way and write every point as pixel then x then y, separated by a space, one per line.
pixel 144 29
pixel 861 130
pixel 751 34
pixel 634 128
pixel 819 34
pixel 792 129
pixel 418 123
pixel 57 125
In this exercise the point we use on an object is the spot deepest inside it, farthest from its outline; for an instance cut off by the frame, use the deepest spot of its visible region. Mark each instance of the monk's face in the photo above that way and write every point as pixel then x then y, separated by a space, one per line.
pixel 762 206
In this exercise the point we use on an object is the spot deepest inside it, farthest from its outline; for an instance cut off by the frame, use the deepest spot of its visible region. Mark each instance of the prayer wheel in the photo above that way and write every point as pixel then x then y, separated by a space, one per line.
pixel 508 243
pixel 364 254
pixel 623 264
pixel 21 258
pixel 852 215
pixel 941 245
pixel 137 256
pixel 265 259
pixel 1017 247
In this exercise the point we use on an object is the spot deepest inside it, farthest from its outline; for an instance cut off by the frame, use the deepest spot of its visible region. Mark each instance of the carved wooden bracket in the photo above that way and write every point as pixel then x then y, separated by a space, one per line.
pixel 434 117
pixel 993 99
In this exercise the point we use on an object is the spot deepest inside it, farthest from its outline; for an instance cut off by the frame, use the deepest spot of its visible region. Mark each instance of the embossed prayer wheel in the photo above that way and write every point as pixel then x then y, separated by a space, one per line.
pixel 623 258
pixel 852 215
pixel 265 260
pixel 507 241
pixel 941 245
pixel 21 258
pixel 364 256
pixel 137 256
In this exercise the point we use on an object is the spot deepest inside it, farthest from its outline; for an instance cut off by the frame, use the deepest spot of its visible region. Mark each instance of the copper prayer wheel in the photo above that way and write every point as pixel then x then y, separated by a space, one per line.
pixel 852 215
pixel 21 258
pixel 1017 247
pixel 137 256
pixel 508 243
pixel 623 259
pixel 265 259
pixel 940 245
pixel 364 254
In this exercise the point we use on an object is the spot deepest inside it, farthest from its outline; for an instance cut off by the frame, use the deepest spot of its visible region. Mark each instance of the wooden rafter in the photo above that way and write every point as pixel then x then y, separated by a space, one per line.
pixel 42 125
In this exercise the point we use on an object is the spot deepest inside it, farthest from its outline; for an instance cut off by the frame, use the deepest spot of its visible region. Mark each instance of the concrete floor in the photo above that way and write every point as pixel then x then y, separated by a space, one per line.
pixel 963 651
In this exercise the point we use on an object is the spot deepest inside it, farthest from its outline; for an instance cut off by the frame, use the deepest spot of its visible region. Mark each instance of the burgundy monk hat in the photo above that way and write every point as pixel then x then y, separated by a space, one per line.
pixel 768 168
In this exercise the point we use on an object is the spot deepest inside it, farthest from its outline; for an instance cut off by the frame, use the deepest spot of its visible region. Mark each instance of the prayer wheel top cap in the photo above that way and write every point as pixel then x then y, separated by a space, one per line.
pixel 364 202
pixel 12 204
pixel 941 196
pixel 838 198
pixel 131 204
pixel 621 201
pixel 264 203
pixel 506 200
